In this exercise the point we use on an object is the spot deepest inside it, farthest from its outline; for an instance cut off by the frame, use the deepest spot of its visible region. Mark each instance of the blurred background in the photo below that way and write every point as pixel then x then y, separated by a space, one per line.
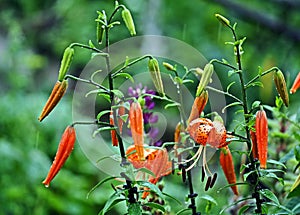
pixel 33 36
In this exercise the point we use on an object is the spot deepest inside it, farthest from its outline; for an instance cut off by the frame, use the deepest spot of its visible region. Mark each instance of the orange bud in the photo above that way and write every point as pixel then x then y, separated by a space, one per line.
pixel 137 128
pixel 296 84
pixel 113 133
pixel 228 168
pixel 198 106
pixel 57 93
pixel 65 148
pixel 254 144
pixel 261 127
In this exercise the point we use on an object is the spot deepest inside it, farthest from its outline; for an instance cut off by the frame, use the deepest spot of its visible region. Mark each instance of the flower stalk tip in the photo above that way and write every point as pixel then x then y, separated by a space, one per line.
pixel 64 150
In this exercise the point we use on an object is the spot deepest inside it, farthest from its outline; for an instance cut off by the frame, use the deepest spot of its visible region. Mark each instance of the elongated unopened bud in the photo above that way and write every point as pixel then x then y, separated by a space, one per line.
pixel 127 18
pixel 228 168
pixel 168 66
pixel 65 63
pixel 223 20
pixel 113 133
pixel 261 130
pixel 254 144
pixel 281 88
pixel 198 105
pixel 137 128
pixel 155 75
pixel 206 76
pixel 64 150
pixel 296 84
pixel 57 93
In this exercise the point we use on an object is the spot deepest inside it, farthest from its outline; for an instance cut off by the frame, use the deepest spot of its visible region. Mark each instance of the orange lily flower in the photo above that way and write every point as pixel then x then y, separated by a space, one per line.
pixel 156 160
pixel 261 130
pixel 65 148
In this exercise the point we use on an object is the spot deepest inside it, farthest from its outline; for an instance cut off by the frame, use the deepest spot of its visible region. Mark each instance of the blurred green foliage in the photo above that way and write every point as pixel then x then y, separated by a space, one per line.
pixel 33 35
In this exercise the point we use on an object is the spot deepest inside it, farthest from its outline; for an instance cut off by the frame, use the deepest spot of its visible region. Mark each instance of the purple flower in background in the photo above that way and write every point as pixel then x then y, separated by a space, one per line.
pixel 149 117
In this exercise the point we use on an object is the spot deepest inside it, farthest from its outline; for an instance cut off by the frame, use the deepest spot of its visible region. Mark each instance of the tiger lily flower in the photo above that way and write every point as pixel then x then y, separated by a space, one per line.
pixel 156 160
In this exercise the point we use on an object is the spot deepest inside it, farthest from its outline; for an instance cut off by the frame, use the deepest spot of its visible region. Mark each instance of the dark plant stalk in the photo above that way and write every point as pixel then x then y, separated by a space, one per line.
pixel 256 194
pixel 131 190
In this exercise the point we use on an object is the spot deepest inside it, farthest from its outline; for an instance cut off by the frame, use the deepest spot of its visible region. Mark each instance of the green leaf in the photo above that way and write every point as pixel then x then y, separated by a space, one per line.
pixel 134 209
pixel 112 201
pixel 279 163
pixel 155 205
pixel 187 81
pixel 118 93
pixel 91 44
pixel 287 156
pixel 183 210
pixel 171 197
pixel 145 170
pixel 231 105
pixel 105 96
pixel 243 209
pixel 229 85
pixel 231 72
pixel 99 184
pixel 152 187
pixel 295 192
pixel 103 113
pixel 208 198
pixel 175 104
pixel 270 195
pixel 124 75
pixel 106 128
pixel 297 152
pixel 255 104
pixel 254 84
pixel 97 91
pixel 296 183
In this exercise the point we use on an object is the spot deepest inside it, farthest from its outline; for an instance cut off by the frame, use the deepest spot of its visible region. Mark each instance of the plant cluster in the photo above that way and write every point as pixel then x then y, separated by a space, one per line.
pixel 145 162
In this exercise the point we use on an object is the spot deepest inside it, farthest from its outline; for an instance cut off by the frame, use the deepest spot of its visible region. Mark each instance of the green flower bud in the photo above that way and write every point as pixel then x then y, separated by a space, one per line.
pixel 168 66
pixel 223 20
pixel 65 63
pixel 155 75
pixel 100 32
pixel 281 88
pixel 126 15
pixel 205 79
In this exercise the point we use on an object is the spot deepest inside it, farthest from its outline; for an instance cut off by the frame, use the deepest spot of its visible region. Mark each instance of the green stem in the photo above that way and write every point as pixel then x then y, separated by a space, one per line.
pixel 224 93
pixel 131 63
pixel 223 63
pixel 262 74
pixel 86 47
pixel 86 81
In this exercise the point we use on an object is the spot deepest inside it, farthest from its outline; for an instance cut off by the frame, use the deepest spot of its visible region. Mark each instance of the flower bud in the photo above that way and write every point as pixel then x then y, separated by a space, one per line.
pixel 126 15
pixel 168 66
pixel 65 63
pixel 223 20
pixel 155 75
pixel 64 150
pixel 228 168
pixel 281 87
pixel 296 84
pixel 137 128
pixel 198 105
pixel 205 79
pixel 57 93
pixel 261 130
